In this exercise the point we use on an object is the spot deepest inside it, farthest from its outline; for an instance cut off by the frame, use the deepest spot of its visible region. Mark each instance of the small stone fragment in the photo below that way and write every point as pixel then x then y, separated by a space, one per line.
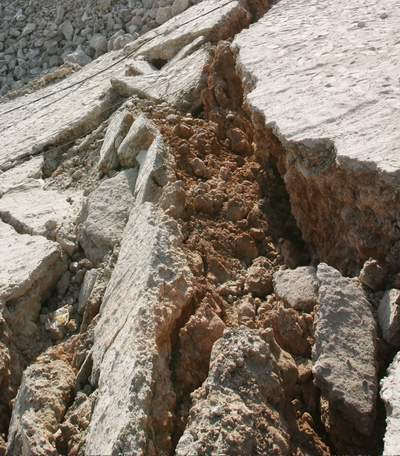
pixel 389 316
pixel 373 275
pixel 297 287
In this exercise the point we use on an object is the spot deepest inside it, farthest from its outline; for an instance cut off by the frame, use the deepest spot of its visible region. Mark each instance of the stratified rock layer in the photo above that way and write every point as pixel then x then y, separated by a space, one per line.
pixel 332 101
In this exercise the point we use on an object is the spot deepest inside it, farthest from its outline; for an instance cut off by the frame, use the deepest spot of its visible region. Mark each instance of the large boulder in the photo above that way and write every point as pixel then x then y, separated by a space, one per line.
pixel 344 354
pixel 330 125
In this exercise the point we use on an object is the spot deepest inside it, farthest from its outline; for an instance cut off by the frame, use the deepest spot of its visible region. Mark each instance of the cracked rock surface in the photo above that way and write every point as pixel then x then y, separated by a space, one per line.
pixel 198 238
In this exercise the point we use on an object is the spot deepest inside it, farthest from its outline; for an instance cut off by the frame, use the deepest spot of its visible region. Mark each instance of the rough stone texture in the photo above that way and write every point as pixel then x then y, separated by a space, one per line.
pixel 373 275
pixel 15 176
pixel 148 290
pixel 297 287
pixel 180 85
pixel 76 105
pixel 390 394
pixel 344 354
pixel 327 111
pixel 138 140
pixel 46 390
pixel 36 37
pixel 238 409
pixel 32 209
pixel 105 214
pixel 389 316
pixel 29 264
pixel 116 131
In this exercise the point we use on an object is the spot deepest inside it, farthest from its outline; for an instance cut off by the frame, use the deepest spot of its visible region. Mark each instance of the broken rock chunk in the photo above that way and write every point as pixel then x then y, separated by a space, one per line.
pixel 297 287
pixel 390 393
pixel 105 214
pixel 373 275
pixel 240 401
pixel 389 316
pixel 116 132
pixel 259 278
pixel 139 139
pixel 45 392
pixel 32 209
pixel 344 354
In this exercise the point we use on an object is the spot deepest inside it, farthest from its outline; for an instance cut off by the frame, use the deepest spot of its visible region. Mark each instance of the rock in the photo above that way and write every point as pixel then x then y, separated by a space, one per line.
pixel 58 111
pixel 180 85
pixel 30 265
pixel 67 29
pixel 78 57
pixel 122 40
pixel 46 390
pixel 389 316
pixel 105 214
pixel 390 394
pixel 240 403
pixel 28 29
pixel 297 287
pixel 116 132
pixel 31 209
pixel 212 19
pixel 330 122
pixel 259 278
pixel 138 67
pixel 149 289
pixel 57 322
pixel 15 176
pixel 138 140
pixel 163 14
pixel 373 275
pixel 99 43
pixel 86 289
pixel 179 6
pixel 344 354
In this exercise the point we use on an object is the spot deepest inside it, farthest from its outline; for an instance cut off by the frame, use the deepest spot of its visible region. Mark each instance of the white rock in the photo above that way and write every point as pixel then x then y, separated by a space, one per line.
pixel 149 289
pixel 180 85
pixel 86 289
pixel 344 354
pixel 390 394
pixel 32 209
pixel 138 139
pixel 389 316
pixel 105 214
pixel 79 57
pixel 116 131
pixel 297 287
pixel 15 176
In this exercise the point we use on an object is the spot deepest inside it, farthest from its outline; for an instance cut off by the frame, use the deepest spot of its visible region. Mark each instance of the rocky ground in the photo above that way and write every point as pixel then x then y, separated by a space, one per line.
pixel 179 272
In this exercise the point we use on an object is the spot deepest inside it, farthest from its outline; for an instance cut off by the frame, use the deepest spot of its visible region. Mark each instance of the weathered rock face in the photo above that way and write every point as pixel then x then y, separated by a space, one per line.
pixel 297 287
pixel 132 347
pixel 391 397
pixel 344 354
pixel 239 407
pixel 105 214
pixel 149 242
pixel 37 38
pixel 324 124
pixel 46 389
